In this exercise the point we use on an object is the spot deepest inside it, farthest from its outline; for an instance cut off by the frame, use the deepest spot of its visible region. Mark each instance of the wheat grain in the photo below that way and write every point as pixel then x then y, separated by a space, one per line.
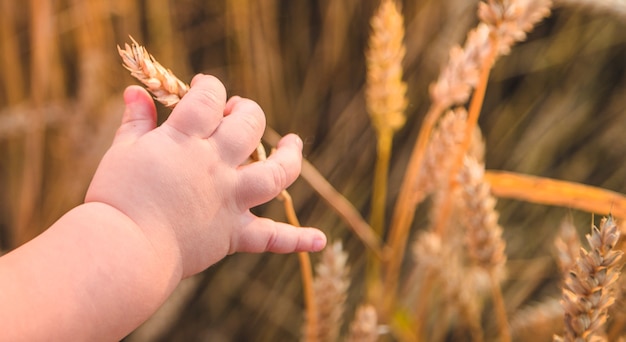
pixel 160 81
pixel 589 286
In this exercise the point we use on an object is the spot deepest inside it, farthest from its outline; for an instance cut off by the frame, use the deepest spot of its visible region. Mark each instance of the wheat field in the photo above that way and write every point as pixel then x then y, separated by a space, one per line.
pixel 554 107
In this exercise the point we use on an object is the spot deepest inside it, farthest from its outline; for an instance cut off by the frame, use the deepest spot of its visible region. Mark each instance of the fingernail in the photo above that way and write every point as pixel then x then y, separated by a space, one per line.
pixel 318 244
pixel 299 142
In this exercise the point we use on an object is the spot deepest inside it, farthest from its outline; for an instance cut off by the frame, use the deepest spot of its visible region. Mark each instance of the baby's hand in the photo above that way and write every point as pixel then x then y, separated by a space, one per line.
pixel 183 182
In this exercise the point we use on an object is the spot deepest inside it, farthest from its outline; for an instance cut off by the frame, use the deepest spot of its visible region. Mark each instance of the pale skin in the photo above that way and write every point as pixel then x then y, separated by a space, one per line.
pixel 165 203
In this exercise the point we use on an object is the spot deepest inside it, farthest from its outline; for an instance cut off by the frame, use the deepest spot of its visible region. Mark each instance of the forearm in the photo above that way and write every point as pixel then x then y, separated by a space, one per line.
pixel 93 275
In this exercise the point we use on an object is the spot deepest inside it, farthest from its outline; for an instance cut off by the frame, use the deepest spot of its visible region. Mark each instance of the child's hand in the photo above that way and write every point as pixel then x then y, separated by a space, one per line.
pixel 183 184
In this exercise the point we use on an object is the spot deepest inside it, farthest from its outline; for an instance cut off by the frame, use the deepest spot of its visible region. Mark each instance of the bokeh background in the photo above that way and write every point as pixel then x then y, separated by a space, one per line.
pixel 555 107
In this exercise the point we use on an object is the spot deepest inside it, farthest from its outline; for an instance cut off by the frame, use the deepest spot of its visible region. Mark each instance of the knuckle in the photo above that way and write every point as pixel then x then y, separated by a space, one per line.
pixel 272 241
pixel 279 175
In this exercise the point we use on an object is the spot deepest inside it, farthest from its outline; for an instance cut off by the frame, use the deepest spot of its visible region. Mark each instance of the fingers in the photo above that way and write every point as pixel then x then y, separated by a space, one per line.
pixel 202 109
pixel 261 181
pixel 264 235
pixel 240 131
pixel 139 115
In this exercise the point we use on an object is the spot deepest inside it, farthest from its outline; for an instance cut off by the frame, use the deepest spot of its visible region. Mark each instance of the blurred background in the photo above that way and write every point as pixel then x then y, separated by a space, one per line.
pixel 555 107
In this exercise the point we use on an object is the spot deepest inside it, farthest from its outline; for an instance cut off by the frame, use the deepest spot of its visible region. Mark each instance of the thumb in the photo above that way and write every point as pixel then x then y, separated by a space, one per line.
pixel 139 115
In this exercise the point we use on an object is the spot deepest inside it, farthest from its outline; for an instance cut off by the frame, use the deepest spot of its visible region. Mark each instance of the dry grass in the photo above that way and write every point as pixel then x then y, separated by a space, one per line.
pixel 553 108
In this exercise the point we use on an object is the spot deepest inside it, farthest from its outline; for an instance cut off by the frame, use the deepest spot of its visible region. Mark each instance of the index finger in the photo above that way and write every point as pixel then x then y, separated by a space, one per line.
pixel 202 109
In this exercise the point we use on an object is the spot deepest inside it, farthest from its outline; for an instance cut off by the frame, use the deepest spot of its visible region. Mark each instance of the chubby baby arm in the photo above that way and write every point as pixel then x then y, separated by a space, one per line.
pixel 165 203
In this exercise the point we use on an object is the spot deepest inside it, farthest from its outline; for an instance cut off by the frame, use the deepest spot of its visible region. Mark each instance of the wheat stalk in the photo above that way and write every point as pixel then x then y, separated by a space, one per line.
pixel 588 291
pixel 504 22
pixel 541 190
pixel 385 98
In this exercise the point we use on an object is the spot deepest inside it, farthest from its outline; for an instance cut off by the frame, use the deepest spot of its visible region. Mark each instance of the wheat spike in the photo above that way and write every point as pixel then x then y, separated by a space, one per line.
pixel 460 75
pixel 364 327
pixel 589 286
pixel 484 234
pixel 331 286
pixel 510 20
pixel 444 141
pixel 385 94
pixel 160 81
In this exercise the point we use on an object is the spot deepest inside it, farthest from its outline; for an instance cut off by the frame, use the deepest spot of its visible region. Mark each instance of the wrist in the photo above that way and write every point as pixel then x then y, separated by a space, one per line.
pixel 161 244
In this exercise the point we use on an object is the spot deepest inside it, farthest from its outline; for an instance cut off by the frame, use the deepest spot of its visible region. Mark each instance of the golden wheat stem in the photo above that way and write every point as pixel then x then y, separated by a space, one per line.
pixel 306 271
pixel 499 307
pixel 404 210
pixel 548 191
pixel 424 296
pixel 377 218
pixel 381 174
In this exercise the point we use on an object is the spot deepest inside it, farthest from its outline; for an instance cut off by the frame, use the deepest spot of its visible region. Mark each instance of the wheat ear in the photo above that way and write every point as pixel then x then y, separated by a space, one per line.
pixel 331 289
pixel 385 93
pixel 160 81
pixel 588 291
pixel 364 327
